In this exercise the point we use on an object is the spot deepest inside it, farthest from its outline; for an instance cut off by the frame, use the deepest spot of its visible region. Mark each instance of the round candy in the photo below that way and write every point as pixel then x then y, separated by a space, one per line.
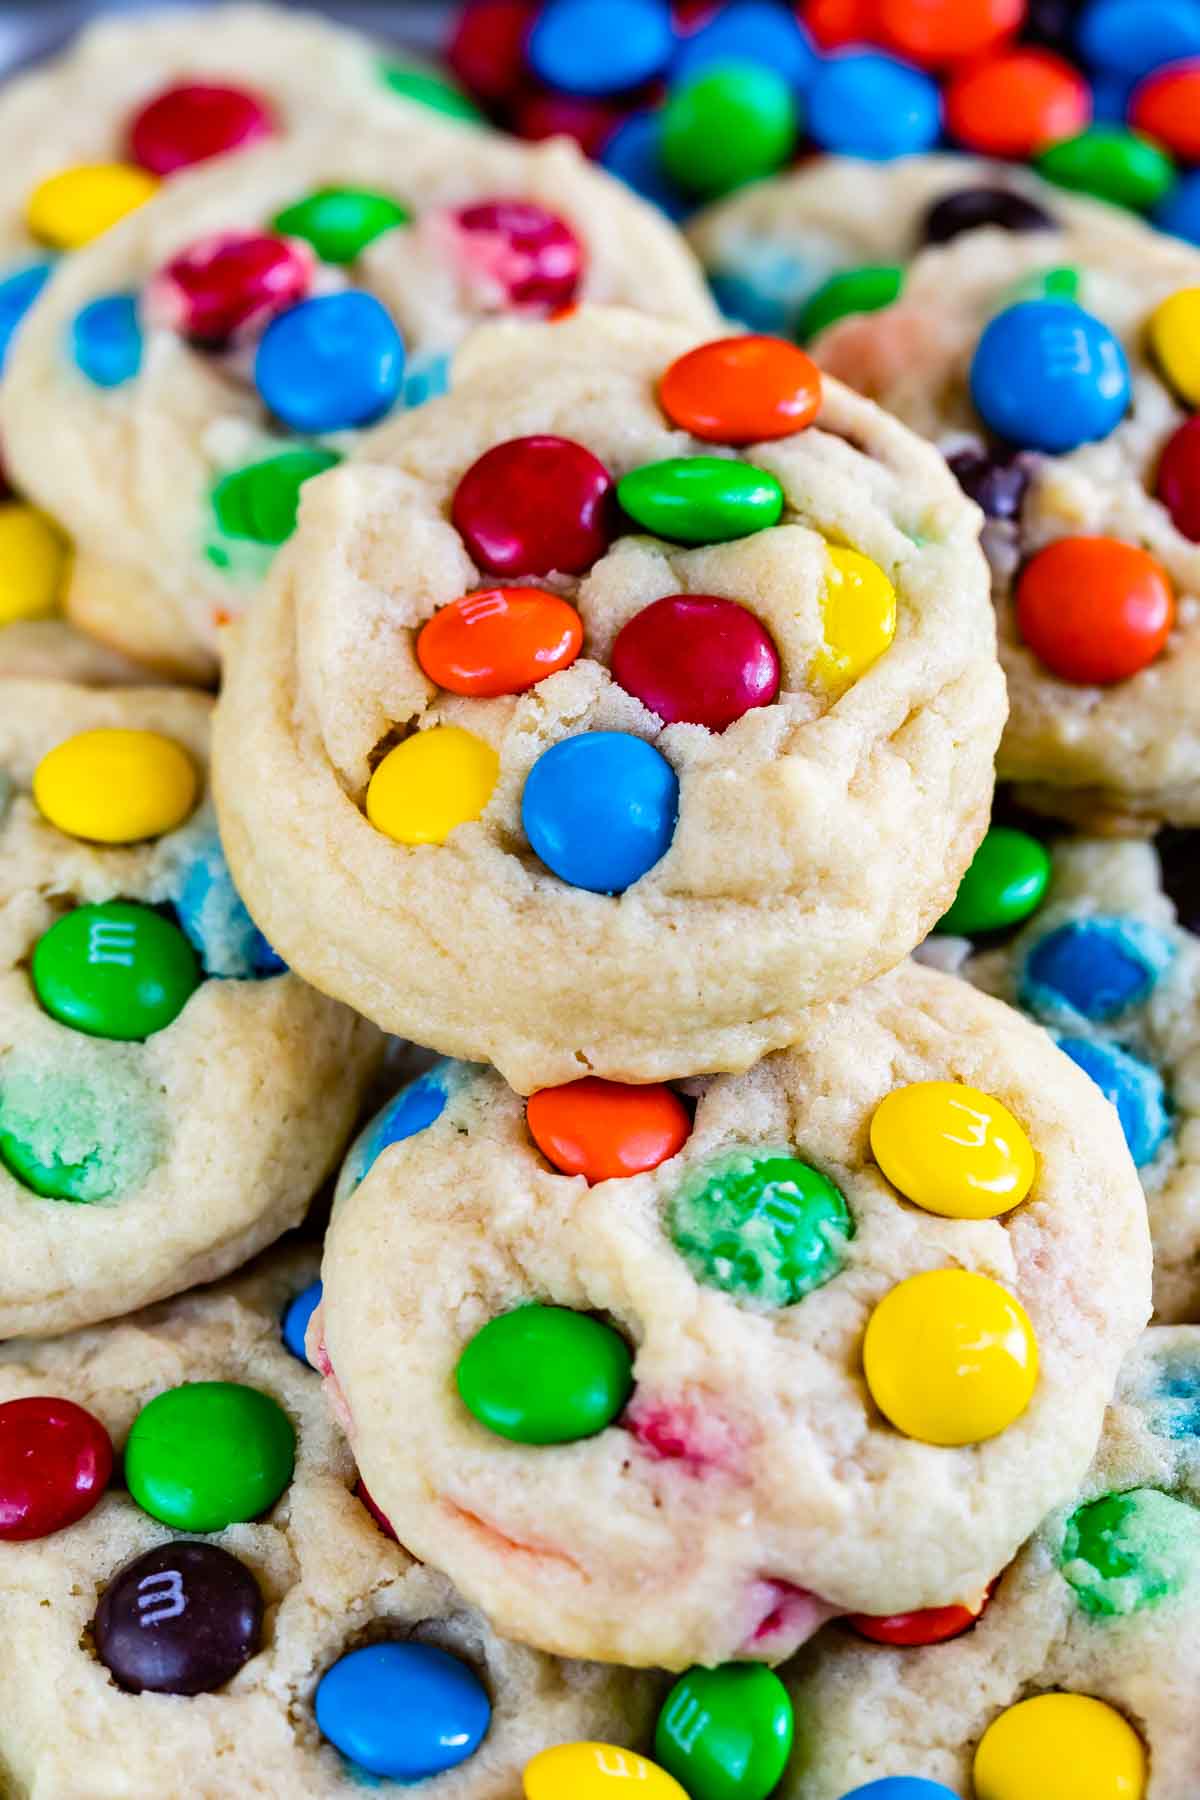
pixel 430 783
pixel 596 1772
pixel 633 153
pixel 429 90
pixel 1174 337
pixel 952 1150
pixel 261 502
pixel 229 284
pixel 180 1619
pixel 404 1712
pixel 209 1454
pixel 728 124
pixel 600 46
pixel 606 1130
pixel 995 482
pixel 1094 609
pixel 114 786
pixel 862 290
pixel 858 618
pixel 1180 211
pixel 331 363
pixel 741 390
pixel 17 294
pixel 590 122
pixel 903 1787
pixel 487 46
pixel 417 1106
pixel 296 1315
pixel 535 506
pixel 1167 107
pixel 194 120
pixel 533 254
pixel 1178 483
pixel 1006 882
pixel 908 1631
pixel 55 1463
pixel 1128 1551
pixel 1060 1747
pixel 968 209
pixel 1111 162
pixel 106 340
pixel 33 561
pixel 696 659
pixel 545 1375
pixel 950 1357
pixel 1131 37
pixel 1013 103
pixel 71 208
pixel 754 31
pixel 1048 376
pixel 865 104
pixel 499 641
pixel 726 1733
pixel 936 32
pixel 339 222
pixel 761 1225
pixel 701 499
pixel 599 809
pixel 118 970
pixel 1098 967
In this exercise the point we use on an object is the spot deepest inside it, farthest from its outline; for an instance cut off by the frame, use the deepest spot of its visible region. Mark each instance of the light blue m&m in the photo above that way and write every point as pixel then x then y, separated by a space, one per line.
pixel 1095 968
pixel 17 294
pixel 214 919
pixel 106 340
pixel 901 1787
pixel 864 104
pixel 1134 1088
pixel 403 1711
pixel 596 47
pixel 762 31
pixel 417 1105
pixel 600 809
pixel 296 1315
pixel 1046 375
pixel 632 155
pixel 330 363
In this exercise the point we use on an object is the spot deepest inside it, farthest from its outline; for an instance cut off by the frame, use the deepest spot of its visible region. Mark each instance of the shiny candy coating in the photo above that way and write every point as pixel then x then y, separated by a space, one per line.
pixel 599 809
pixel 726 1733
pixel 600 46
pixel 430 783
pixel 952 1150
pixel 1060 1747
pixel 1015 102
pixel 950 1357
pixel 997 484
pixel 545 1375
pixel 1094 609
pixel 402 1711
pixel 17 294
pixel 71 208
pixel 106 340
pixel 55 1462
pixel 530 253
pixel 1131 37
pixel 850 291
pixel 114 786
pixel 902 1787
pixel 429 90
pixel 1093 968
pixel 909 1631
pixel 499 641
pixel 1005 883
pixel 968 209
pixel 208 1454
pixel 419 1104
pixel 535 506
pixel 1048 376
pixel 33 562
pixel 701 499
pixel 1129 1551
pixel 117 970
pixel 194 120
pixel 180 1619
pixel 596 1772
pixel 261 502
pixel 339 222
pixel 696 659
pixel 936 32
pixel 1178 481
pixel 1167 108
pixel 756 31
pixel 1173 333
pixel 1180 211
pixel 331 363
pixel 229 284
pixel 858 619
pixel 730 123
pixel 741 390
pixel 607 1130
pixel 761 1225
pixel 487 47
pixel 1111 162
pixel 1133 1087
pixel 296 1315
pixel 866 104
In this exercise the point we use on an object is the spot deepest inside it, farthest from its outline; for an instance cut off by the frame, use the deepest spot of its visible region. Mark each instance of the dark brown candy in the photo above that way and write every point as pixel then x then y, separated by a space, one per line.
pixel 996 483
pixel 1179 854
pixel 182 1619
pixel 967 209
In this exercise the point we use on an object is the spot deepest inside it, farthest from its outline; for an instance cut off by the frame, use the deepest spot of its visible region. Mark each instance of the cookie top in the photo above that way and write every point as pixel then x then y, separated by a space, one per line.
pixel 754 1405
pixel 202 1628
pixel 228 341
pixel 733 712
pixel 51 650
pixel 171 1096
pixel 1085 1654
pixel 1047 367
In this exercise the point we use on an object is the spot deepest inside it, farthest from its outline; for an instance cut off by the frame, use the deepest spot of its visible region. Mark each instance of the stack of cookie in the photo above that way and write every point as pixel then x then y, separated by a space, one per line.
pixel 609 703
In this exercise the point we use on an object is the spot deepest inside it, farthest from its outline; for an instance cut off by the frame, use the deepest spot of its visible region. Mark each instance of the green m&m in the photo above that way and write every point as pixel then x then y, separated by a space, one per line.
pixel 701 499
pixel 427 89
pixel 118 970
pixel 761 1225
pixel 1005 883
pixel 861 290
pixel 545 1375
pixel 339 222
pixel 730 123
pixel 1131 1550
pixel 81 1123
pixel 209 1454
pixel 1111 162
pixel 260 502
pixel 726 1733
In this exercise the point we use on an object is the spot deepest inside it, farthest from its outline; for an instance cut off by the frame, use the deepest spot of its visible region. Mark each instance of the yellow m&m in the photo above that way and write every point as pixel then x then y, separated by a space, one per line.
pixel 430 783
pixel 33 559
pixel 950 1357
pixel 1060 1747
pixel 1174 333
pixel 953 1150
pixel 858 617
pixel 71 208
pixel 116 787
pixel 597 1772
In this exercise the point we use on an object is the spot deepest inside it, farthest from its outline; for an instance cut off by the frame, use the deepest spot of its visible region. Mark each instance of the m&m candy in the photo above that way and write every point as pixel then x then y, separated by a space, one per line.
pixel 181 1619
pixel 858 618
pixel 969 209
pixel 1047 375
pixel 118 970
pixel 261 502
pixel 1167 108
pixel 330 363
pixel 697 659
pixel 1131 37
pixel 17 294
pixel 1178 481
pixel 296 1316
pixel 865 104
pixel 952 1150
pixel 996 481
pixel 209 1454
pixel 936 32
pixel 1111 162
pixel 726 1733
pixel 903 1787
pixel 600 808
pixel 545 1375
pixel 632 152
pixel 1093 968
pixel 600 46
pixel 531 256
pixel 418 1105
pixel 741 390
pixel 607 1130
pixel 862 290
pixel 1005 883
pixel 431 783
pixel 596 1772
pixel 429 90
pixel 106 340
pixel 115 786
pixel 403 1711
pixel 228 284
pixel 727 124
pixel 1060 1747
pixel 487 46
pixel 1094 609
pixel 535 506
pixel 1135 1088
pixel 1015 102
pixel 761 1225
pixel 55 1463
pixel 1180 211
pixel 909 1631
pixel 499 641
pixel 339 222
pixel 1173 334
pixel 1129 1551
pixel 33 562
pixel 701 499
pixel 754 31
pixel 193 120
pixel 71 208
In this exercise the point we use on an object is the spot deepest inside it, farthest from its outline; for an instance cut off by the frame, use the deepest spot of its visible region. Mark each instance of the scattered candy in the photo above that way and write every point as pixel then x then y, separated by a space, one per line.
pixel 1048 376
pixel 696 659
pixel 760 1225
pixel 861 290
pixel 701 499
pixel 1016 102
pixel 499 641
pixel 115 786
pixel 593 1772
pixel 209 1454
pixel 1128 1551
pixel 117 970
pixel 968 209
pixel 534 506
pixel 530 255
pixel 600 46
pixel 730 123
pixel 106 340
pixel 741 390
pixel 55 1462
pixel 1167 108
pixel 1131 37
pixel 909 1631
pixel 189 123
pixel 403 1712
pixel 330 363
pixel 936 32
pixel 1094 609
pixel 952 1150
pixel 1005 883
pixel 545 1375
pixel 432 782
pixel 599 809
pixel 607 1130
pixel 339 222
pixel 858 618
pixel 71 208
pixel 1095 968
pixel 229 284
pixel 17 294
pixel 296 1315
pixel 996 483
pixel 726 1733
pixel 1060 1747
pixel 1180 211
pixel 180 1619
pixel 1111 162
pixel 1174 338
pixel 487 49
pixel 755 31
pixel 33 562
pixel 1178 483
pixel 262 501
pixel 865 104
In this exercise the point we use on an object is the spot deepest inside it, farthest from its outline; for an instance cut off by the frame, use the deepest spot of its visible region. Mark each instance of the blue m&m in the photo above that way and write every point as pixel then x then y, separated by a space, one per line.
pixel 1134 1088
pixel 600 809
pixel 901 1787
pixel 761 31
pixel 415 1107
pixel 296 1315
pixel 864 104
pixel 1096 968
pixel 1180 211
pixel 17 294
pixel 632 154
pixel 599 47
pixel 1046 375
pixel 330 363
pixel 1131 37
pixel 106 339
pixel 403 1711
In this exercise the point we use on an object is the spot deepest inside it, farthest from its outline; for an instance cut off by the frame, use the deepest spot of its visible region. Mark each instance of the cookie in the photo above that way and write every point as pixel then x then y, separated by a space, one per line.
pixel 227 341
pixel 718 756
pixel 666 1387
pixel 237 1620
pixel 52 650
pixel 171 1097
pixel 1083 1660
pixel 1047 367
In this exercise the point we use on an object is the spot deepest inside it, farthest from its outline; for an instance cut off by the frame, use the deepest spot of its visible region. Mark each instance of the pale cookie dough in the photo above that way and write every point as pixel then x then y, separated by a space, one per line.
pixel 1120 756
pixel 331 1580
pixel 749 1489
pixel 817 836
pixel 52 650
pixel 1128 1635
pixel 183 1153
pixel 131 470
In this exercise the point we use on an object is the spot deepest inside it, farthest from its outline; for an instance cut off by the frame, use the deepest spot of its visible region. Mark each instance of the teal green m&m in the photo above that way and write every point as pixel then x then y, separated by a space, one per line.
pixel 1111 162
pixel 701 499
pixel 726 1733
pixel 261 501
pixel 339 222
pixel 118 970
pixel 545 1375
pixel 209 1454
pixel 729 124
pixel 861 290
pixel 1129 1551
pixel 761 1225
pixel 1005 883
pixel 427 89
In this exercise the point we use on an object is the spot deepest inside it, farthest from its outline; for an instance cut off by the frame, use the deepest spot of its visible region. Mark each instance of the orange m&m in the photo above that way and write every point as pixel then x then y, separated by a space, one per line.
pixel 935 32
pixel 833 23
pixel 1013 103
pixel 742 390
pixel 1094 609
pixel 499 641
pixel 908 1631
pixel 606 1129
pixel 1166 106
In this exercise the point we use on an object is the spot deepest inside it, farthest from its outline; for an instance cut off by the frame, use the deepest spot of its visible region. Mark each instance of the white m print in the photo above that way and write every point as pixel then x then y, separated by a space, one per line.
pixel 160 1597
pixel 111 941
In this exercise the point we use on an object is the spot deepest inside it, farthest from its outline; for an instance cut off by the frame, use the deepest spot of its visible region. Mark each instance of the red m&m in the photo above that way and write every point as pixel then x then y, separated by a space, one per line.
pixel 742 390
pixel 604 1130
pixel 1015 103
pixel 530 255
pixel 499 641
pixel 1167 107
pixel 195 120
pixel 1178 485
pixel 933 1625
pixel 697 659
pixel 935 32
pixel 535 505
pixel 223 285
pixel 55 1462
pixel 1094 609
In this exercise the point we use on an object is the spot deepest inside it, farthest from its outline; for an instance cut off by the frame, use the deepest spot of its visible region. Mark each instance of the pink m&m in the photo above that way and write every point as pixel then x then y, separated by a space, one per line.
pixel 535 505
pixel 194 120
pixel 531 255
pixel 697 659
pixel 1178 484
pixel 222 286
